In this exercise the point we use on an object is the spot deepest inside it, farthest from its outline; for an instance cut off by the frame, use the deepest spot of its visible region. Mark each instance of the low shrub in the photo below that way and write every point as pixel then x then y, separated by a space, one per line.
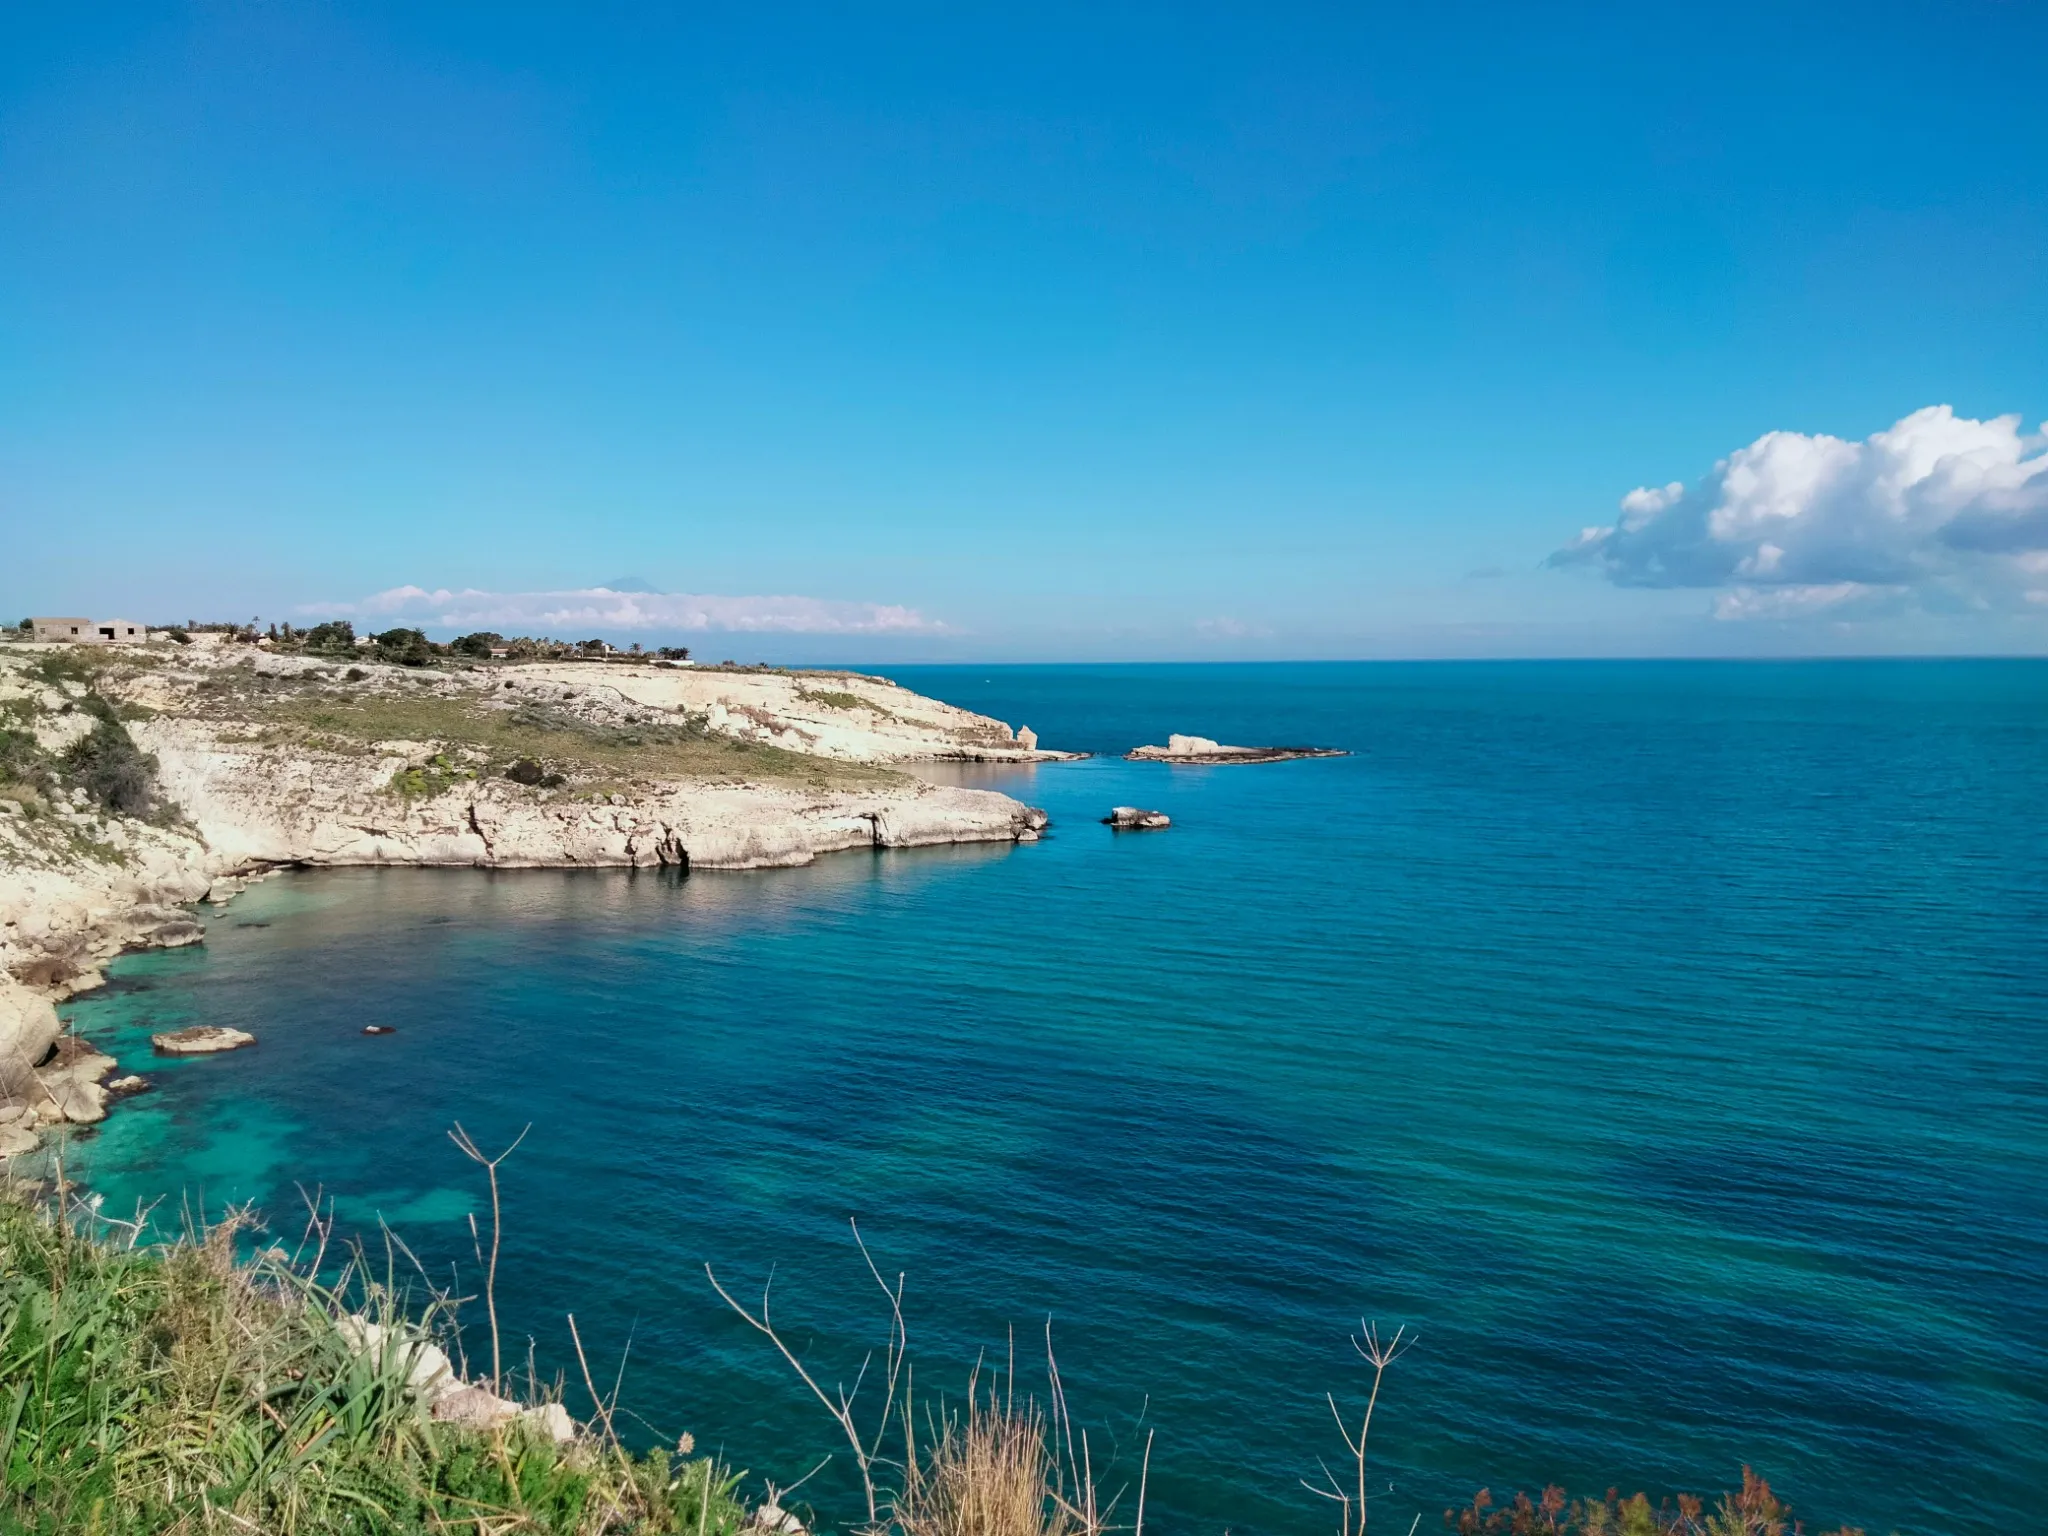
pixel 23 763
pixel 118 775
pixel 436 776
pixel 72 664
pixel 1752 1510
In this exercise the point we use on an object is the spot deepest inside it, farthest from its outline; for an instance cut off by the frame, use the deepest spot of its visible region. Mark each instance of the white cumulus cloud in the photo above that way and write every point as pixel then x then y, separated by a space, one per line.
pixel 580 609
pixel 1937 508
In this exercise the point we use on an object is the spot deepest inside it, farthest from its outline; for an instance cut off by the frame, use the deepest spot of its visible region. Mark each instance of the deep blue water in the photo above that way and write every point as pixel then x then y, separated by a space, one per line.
pixel 1664 1042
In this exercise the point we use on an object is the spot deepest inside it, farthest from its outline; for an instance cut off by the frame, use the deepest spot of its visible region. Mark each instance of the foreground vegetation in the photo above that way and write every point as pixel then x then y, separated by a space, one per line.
pixel 178 1389
pixel 1752 1510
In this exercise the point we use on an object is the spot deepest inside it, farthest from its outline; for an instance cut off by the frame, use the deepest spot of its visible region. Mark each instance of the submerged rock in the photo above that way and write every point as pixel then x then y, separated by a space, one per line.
pixel 201 1040
pixel 1136 819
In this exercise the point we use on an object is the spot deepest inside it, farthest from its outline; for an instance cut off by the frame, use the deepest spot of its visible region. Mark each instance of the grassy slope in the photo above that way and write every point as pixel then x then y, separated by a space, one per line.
pixel 178 1390
pixel 338 716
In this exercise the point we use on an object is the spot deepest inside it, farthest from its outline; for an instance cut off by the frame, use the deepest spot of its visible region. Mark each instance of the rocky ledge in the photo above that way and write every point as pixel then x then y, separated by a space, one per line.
pixel 1200 749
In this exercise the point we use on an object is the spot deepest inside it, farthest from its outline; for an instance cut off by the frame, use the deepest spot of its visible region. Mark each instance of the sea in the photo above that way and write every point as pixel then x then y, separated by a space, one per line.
pixel 1662 1047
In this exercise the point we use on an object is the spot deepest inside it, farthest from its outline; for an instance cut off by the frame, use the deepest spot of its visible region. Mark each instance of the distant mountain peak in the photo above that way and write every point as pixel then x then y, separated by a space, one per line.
pixel 630 584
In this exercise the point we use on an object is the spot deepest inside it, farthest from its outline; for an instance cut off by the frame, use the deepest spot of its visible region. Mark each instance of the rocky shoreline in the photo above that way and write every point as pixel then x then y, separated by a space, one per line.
pixel 263 763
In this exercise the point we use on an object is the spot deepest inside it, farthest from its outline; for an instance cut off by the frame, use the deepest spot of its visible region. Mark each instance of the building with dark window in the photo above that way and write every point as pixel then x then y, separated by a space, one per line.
pixel 89 631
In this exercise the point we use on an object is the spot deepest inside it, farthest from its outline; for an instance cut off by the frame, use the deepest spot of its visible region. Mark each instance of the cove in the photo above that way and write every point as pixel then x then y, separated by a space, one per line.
pixel 1662 1041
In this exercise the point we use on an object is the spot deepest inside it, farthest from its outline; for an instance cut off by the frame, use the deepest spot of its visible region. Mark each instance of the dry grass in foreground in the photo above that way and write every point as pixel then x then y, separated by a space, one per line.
pixel 1019 1466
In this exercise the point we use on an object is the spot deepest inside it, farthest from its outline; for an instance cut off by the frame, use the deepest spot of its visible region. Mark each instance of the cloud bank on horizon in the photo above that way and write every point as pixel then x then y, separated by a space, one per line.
pixel 584 608
pixel 1938 510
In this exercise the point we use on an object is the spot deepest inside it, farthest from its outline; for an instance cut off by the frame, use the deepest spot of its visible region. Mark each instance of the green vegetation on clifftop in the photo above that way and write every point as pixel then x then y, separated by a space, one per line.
pixel 332 715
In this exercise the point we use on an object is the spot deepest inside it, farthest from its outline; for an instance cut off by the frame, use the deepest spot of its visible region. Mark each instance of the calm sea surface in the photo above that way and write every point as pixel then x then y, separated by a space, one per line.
pixel 1666 1043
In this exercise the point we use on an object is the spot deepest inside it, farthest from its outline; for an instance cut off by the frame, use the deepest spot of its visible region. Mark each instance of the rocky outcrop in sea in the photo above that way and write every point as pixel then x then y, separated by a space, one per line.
pixel 1200 749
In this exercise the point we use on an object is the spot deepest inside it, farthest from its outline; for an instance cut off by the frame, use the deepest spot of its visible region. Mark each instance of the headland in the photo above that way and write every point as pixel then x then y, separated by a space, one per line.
pixel 139 780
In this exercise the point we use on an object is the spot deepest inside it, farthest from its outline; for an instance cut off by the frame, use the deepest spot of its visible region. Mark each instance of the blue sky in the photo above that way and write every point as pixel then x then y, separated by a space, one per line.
pixel 1102 331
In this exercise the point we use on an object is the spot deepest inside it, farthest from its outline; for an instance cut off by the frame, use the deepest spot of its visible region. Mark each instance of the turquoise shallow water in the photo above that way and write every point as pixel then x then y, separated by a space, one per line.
pixel 1665 1042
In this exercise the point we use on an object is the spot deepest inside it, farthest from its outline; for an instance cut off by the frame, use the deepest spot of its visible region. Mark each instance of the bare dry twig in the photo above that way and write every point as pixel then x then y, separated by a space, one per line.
pixel 1379 1354
pixel 866 1449
pixel 469 1149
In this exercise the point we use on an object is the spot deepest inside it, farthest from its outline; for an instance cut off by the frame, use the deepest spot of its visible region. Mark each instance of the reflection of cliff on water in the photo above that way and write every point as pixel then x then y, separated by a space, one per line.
pixel 313 908
pixel 1013 779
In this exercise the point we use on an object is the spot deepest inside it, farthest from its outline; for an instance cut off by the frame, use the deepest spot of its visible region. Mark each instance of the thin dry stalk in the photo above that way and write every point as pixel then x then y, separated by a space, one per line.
pixel 840 1403
pixel 1144 1477
pixel 604 1412
pixel 1072 1478
pixel 1379 1354
pixel 134 1228
pixel 318 1226
pixel 470 1150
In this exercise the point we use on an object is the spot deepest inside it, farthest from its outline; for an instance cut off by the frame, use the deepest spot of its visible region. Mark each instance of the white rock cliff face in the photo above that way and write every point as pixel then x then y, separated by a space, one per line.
pixel 266 806
pixel 77 885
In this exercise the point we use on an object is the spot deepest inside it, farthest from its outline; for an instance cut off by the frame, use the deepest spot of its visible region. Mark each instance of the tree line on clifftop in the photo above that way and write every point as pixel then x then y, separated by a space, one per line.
pixel 408 647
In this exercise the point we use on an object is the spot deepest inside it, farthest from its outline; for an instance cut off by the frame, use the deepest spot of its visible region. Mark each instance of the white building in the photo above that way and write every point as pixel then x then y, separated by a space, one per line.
pixel 89 631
